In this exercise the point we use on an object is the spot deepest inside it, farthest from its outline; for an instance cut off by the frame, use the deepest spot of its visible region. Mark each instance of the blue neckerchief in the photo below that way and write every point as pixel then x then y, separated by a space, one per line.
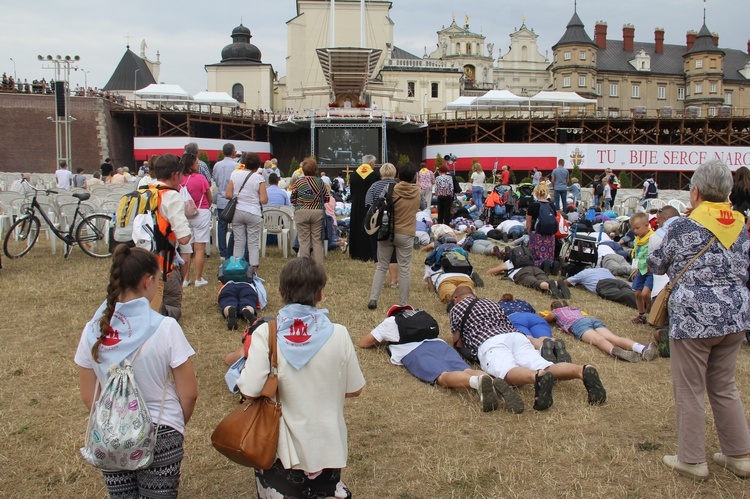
pixel 133 323
pixel 301 331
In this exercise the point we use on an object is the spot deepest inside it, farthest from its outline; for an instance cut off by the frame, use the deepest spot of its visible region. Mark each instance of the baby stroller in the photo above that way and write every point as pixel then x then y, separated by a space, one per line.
pixel 496 205
pixel 578 252
pixel 524 197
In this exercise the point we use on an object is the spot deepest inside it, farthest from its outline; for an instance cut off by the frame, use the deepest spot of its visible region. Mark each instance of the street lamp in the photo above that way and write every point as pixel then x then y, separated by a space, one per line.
pixel 15 78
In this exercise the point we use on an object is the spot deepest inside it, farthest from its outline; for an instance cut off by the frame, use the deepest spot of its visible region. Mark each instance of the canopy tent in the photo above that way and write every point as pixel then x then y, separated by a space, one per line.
pixel 501 98
pixel 462 103
pixel 560 98
pixel 162 93
pixel 215 99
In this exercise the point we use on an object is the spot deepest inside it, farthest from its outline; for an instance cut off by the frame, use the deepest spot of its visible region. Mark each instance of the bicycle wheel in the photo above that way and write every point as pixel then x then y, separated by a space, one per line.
pixel 92 235
pixel 21 237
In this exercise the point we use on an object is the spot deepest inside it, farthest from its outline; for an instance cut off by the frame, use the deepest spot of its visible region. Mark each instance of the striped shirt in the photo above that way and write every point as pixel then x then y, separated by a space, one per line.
pixel 486 319
pixel 376 190
pixel 566 317
pixel 309 193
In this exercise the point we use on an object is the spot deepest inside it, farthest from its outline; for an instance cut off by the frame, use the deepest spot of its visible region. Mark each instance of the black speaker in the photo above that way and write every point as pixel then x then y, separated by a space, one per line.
pixel 562 136
pixel 60 98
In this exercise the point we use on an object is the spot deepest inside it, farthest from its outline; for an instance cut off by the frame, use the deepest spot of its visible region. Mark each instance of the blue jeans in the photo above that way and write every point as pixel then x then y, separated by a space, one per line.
pixel 477 193
pixel 560 199
pixel 225 249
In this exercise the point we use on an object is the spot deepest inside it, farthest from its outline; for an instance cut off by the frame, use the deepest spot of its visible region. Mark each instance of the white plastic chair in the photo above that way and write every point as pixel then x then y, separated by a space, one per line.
pixel 627 205
pixel 655 204
pixel 678 205
pixel 276 222
pixel 585 199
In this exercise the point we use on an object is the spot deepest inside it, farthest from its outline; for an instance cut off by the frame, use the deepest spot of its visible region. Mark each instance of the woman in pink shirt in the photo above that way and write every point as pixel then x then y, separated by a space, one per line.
pixel 200 224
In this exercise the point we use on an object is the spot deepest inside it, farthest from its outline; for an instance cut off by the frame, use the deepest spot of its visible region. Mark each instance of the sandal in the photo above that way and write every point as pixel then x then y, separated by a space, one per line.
pixel 543 391
pixel 641 319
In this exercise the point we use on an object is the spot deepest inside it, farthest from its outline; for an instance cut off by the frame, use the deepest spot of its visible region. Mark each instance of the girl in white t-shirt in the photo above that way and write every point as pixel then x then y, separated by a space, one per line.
pixel 477 185
pixel 123 324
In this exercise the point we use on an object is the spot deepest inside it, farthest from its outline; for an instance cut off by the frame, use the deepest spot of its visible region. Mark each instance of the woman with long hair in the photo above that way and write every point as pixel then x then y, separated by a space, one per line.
pixel 123 325
pixel 444 193
pixel 542 246
pixel 477 185
pixel 248 186
pixel 200 225
pixel 309 195
pixel 317 371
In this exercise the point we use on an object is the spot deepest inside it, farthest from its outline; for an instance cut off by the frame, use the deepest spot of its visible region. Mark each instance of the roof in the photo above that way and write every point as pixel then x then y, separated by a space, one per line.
pixel 704 42
pixel 348 69
pixel 125 76
pixel 398 53
pixel 574 33
pixel 670 62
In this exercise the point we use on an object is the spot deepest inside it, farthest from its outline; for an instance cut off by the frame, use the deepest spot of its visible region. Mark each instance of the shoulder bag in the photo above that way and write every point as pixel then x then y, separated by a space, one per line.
pixel 227 214
pixel 659 314
pixel 249 435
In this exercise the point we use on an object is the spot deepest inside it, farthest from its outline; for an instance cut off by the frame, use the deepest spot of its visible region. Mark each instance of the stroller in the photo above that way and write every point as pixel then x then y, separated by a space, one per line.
pixel 496 205
pixel 524 197
pixel 578 252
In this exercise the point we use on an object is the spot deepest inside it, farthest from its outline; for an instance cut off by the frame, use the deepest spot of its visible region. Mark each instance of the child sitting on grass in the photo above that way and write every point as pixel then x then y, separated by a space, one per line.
pixel 643 279
pixel 595 332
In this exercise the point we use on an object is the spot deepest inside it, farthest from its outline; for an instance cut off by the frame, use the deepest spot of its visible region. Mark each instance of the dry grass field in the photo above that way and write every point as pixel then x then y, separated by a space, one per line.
pixel 407 439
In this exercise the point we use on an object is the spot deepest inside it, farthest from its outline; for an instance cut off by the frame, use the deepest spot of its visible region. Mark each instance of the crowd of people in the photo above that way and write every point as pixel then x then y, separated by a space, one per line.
pixel 496 344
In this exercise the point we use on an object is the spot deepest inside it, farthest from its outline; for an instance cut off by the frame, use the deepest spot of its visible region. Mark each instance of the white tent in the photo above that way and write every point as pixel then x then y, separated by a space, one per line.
pixel 215 99
pixel 501 98
pixel 462 103
pixel 561 98
pixel 163 93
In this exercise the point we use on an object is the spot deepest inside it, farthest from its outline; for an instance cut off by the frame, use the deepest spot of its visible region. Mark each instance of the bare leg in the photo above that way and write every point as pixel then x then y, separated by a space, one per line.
pixel 544 286
pixel 519 376
pixel 233 357
pixel 199 255
pixel 592 337
pixel 458 379
pixel 564 370
pixel 393 269
pixel 185 269
pixel 537 342
pixel 646 299
pixel 617 341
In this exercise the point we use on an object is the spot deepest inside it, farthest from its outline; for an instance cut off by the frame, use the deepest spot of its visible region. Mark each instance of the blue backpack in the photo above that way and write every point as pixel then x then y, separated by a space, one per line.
pixel 235 269
pixel 546 222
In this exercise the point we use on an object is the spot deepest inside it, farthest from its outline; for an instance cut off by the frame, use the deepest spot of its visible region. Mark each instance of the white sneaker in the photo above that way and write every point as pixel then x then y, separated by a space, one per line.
pixel 740 466
pixel 698 471
pixel 200 282
pixel 185 284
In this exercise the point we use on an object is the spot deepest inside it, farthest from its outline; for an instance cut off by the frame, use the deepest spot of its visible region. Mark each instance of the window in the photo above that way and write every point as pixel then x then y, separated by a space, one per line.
pixel 713 63
pixel 598 89
pixel 712 111
pixel 458 48
pixel 713 88
pixel 238 92
pixel 613 90
pixel 434 87
pixel 681 93
pixel 698 88
pixel 661 92
pixel 582 81
pixel 698 63
pixel 614 112
pixel 566 56
pixel 636 91
pixel 728 98
pixel 566 81
pixel 582 55
pixel 468 47
pixel 410 88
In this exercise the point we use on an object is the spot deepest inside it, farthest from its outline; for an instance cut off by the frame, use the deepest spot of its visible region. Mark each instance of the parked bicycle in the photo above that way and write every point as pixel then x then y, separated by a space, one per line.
pixel 90 232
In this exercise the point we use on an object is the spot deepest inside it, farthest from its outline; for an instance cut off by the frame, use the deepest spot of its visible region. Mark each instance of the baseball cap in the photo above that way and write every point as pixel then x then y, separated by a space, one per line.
pixel 395 309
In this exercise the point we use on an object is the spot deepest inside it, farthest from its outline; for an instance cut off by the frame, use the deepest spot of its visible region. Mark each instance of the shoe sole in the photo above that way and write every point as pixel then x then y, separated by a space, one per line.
pixel 478 282
pixel 561 352
pixel 554 290
pixel 626 355
pixel 232 319
pixel 664 343
pixel 487 392
pixel 596 392
pixel 724 462
pixel 564 290
pixel 650 353
pixel 685 472
pixel 548 350
pixel 543 391
pixel 511 399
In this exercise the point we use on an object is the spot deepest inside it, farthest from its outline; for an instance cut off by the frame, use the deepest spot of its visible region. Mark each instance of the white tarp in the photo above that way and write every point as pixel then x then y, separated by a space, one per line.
pixel 215 98
pixel 500 98
pixel 561 98
pixel 161 93
pixel 462 103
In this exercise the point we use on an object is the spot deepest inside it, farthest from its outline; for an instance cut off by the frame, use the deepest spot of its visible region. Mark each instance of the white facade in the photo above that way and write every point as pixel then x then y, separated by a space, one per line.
pixel 256 84
pixel 523 69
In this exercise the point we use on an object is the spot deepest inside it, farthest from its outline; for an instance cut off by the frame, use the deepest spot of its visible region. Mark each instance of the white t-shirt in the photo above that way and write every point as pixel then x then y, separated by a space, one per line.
pixel 508 224
pixel 248 199
pixel 438 276
pixel 607 191
pixel 388 331
pixel 63 176
pixel 477 179
pixel 166 348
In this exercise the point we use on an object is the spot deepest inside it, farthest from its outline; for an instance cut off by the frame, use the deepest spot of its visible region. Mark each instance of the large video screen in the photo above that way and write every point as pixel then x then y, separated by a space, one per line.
pixel 346 146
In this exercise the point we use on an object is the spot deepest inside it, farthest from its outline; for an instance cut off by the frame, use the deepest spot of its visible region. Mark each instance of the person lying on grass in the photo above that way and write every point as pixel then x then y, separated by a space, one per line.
pixel 480 326
pixel 593 331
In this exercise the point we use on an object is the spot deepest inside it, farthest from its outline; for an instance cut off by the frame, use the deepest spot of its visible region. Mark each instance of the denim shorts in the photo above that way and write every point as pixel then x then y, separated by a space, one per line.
pixel 643 281
pixel 582 325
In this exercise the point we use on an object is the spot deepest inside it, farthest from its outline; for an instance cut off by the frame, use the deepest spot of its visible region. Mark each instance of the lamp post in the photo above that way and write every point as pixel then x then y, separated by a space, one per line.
pixel 62 119
pixel 15 78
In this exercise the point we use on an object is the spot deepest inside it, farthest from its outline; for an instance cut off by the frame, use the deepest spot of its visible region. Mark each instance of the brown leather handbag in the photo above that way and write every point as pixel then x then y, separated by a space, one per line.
pixel 249 435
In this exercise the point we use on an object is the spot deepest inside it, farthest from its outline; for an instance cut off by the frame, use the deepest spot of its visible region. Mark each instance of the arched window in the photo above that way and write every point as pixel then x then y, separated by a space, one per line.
pixel 524 53
pixel 238 92
pixel 458 48
pixel 468 47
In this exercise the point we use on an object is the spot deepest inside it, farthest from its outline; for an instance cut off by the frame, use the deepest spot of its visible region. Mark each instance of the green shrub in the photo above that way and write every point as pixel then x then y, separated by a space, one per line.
pixel 403 159
pixel 438 161
pixel 220 156
pixel 460 178
pixel 293 165
pixel 576 172
pixel 625 182
pixel 525 180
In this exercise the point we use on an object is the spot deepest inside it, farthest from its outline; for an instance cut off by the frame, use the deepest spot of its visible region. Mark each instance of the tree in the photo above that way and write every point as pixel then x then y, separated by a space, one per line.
pixel 624 180
pixel 220 156
pixel 293 165
pixel 203 156
pixel 403 159
pixel 576 172
pixel 438 161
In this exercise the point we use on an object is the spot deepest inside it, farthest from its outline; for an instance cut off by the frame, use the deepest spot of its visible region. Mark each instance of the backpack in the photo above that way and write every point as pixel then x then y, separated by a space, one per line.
pixel 139 202
pixel 651 189
pixel 453 261
pixel 120 433
pixel 379 219
pixel 521 256
pixel 235 269
pixel 563 226
pixel 191 210
pixel 444 185
pixel 502 193
pixel 599 189
pixel 546 222
pixel 416 325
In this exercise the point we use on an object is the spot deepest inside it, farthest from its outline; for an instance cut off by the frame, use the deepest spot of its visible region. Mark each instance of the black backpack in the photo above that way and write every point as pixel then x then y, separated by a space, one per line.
pixel 599 188
pixel 455 262
pixel 546 222
pixel 416 325
pixel 521 256
pixel 379 218
pixel 651 189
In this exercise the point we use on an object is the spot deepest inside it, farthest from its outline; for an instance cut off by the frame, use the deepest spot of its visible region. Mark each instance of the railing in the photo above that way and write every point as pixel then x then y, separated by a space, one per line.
pixel 420 63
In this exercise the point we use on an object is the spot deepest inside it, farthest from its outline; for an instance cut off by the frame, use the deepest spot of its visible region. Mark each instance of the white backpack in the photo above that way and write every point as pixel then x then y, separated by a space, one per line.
pixel 120 434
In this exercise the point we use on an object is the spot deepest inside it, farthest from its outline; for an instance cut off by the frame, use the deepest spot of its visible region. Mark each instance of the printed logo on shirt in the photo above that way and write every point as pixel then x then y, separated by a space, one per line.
pixel 298 332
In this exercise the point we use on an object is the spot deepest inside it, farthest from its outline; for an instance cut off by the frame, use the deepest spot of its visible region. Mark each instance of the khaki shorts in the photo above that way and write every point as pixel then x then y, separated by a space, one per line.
pixel 449 285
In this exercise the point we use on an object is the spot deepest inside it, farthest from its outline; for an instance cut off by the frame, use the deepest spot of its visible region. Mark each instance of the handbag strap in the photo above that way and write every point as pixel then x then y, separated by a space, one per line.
pixel 244 182
pixel 692 260
pixel 271 386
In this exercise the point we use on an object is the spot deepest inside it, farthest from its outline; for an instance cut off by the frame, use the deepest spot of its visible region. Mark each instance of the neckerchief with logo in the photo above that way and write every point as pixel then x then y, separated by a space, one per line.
pixel 132 323
pixel 364 170
pixel 639 255
pixel 302 330
pixel 719 218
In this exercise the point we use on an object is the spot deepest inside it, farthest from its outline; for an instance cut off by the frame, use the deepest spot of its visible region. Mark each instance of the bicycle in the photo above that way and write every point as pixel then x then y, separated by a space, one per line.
pixel 90 232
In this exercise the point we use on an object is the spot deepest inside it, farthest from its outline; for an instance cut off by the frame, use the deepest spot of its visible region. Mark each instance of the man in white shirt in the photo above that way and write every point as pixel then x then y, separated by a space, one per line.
pixel 432 360
pixel 63 176
pixel 222 171
pixel 325 178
